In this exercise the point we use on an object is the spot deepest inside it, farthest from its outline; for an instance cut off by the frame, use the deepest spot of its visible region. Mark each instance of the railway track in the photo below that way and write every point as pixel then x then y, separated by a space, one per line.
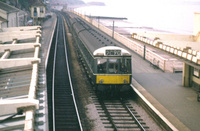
pixel 119 115
pixel 115 114
pixel 63 112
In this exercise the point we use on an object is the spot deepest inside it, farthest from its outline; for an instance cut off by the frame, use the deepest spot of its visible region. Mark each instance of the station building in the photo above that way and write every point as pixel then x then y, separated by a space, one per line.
pixel 11 16
pixel 38 11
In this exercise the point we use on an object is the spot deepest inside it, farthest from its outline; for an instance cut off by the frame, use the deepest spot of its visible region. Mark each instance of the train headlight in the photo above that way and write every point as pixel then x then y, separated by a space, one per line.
pixel 125 81
pixel 101 81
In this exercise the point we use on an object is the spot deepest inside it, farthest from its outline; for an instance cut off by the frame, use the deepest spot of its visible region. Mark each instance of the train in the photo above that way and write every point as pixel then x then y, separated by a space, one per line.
pixel 108 65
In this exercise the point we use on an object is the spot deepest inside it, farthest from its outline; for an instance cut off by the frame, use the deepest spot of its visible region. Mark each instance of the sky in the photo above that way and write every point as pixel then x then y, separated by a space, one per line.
pixel 163 14
pixel 149 2
pixel 139 3
pixel 140 0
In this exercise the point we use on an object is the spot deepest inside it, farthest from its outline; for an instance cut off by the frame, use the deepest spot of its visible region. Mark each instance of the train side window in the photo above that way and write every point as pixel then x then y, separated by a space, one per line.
pixel 101 65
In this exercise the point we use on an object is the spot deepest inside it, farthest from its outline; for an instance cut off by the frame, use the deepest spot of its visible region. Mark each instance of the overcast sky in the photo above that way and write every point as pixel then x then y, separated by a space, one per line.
pixel 139 1
pixel 170 14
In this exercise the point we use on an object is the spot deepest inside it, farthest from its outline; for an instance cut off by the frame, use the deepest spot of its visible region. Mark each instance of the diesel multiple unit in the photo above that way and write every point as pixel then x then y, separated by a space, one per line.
pixel 108 65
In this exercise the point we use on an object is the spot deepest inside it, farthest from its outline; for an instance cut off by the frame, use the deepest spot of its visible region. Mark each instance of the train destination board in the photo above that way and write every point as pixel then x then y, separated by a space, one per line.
pixel 113 52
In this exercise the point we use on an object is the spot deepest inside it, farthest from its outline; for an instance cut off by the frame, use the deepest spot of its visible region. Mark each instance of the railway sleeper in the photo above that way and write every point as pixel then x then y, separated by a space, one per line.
pixel 126 123
pixel 109 126
pixel 120 115
pixel 118 119
pixel 129 129
pixel 114 115
pixel 106 122
pixel 142 122
pixel 110 104
pixel 95 99
pixel 99 107
pixel 121 109
pixel 125 130
pixel 113 102
pixel 145 127
pixel 118 112
pixel 127 126
pixel 139 119
pixel 121 112
pixel 122 118
pixel 114 107
pixel 132 127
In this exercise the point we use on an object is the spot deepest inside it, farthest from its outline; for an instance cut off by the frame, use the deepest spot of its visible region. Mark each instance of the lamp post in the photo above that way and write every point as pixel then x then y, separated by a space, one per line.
pixel 113 29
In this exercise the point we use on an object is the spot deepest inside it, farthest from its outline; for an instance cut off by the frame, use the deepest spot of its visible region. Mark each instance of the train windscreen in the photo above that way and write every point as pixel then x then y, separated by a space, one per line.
pixel 114 66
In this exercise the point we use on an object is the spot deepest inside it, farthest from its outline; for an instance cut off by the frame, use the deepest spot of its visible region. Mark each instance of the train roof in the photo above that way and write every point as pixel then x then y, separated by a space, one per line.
pixel 111 51
pixel 94 39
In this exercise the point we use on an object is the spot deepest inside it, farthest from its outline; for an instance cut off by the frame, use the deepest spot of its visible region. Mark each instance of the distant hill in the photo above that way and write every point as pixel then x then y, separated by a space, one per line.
pixel 25 4
pixel 72 2
pixel 21 4
pixel 96 3
pixel 80 2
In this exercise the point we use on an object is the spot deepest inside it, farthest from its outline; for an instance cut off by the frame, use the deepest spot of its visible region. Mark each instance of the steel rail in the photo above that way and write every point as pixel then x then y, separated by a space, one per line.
pixel 71 86
pixel 108 114
pixel 69 101
pixel 53 78
pixel 132 115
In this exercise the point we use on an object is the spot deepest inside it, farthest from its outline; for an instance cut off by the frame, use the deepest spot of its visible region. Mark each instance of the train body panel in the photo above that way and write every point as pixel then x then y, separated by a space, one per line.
pixel 113 79
pixel 108 65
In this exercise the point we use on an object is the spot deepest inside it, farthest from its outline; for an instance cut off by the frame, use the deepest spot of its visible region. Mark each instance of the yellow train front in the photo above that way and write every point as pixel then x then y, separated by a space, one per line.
pixel 112 72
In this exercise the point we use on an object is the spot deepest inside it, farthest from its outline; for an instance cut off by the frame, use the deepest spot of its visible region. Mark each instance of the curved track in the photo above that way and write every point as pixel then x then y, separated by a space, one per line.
pixel 63 112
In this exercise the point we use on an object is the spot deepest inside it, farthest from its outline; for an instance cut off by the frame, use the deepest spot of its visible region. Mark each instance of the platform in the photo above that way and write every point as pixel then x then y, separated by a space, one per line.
pixel 164 91
pixel 22 76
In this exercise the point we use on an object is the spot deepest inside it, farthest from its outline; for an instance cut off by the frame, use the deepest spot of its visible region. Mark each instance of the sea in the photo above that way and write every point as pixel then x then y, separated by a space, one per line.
pixel 175 16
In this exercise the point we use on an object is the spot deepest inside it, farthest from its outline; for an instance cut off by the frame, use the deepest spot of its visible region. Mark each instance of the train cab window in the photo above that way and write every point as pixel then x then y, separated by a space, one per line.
pixel 119 66
pixel 101 65
pixel 125 66
pixel 113 66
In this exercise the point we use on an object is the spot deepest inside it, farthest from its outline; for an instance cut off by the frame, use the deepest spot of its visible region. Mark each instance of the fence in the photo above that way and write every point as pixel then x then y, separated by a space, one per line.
pixel 164 64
